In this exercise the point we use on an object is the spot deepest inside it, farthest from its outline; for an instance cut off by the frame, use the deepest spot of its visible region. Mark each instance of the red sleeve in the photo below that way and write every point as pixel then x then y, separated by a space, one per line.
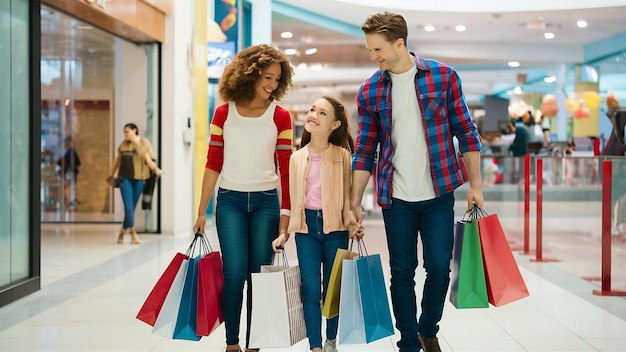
pixel 215 153
pixel 284 148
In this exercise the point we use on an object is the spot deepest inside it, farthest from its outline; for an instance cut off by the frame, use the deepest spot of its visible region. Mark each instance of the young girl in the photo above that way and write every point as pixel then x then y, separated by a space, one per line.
pixel 319 186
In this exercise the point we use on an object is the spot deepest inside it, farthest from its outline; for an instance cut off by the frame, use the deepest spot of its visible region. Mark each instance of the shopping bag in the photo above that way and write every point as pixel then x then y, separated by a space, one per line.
pixel 277 314
pixel 364 314
pixel 468 288
pixel 185 328
pixel 351 323
pixel 166 320
pixel 152 305
pixel 330 308
pixel 210 283
pixel 504 280
pixel 374 300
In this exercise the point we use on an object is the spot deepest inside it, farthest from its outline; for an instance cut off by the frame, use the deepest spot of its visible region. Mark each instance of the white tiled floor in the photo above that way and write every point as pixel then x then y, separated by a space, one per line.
pixel 93 287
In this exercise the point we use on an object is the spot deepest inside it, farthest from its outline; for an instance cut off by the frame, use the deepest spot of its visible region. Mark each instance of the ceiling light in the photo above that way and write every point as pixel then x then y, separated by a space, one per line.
pixel 83 26
pixel 310 51
pixel 513 64
pixel 429 28
pixel 548 35
pixel 290 51
pixel 286 35
pixel 460 28
pixel 550 79
pixel 581 24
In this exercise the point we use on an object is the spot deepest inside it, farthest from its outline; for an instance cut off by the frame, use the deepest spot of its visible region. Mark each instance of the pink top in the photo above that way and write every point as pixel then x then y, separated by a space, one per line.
pixel 313 189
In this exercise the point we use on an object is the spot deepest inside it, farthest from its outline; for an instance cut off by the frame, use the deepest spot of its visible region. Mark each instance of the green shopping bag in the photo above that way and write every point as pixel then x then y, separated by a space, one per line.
pixel 468 287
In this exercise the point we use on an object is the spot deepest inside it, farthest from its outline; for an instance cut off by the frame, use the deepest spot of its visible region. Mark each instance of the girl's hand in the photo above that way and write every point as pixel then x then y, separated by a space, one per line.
pixel 280 241
pixel 355 227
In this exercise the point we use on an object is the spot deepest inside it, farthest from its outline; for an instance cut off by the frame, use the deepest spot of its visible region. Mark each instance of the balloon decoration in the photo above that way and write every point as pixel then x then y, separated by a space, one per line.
pixel 591 99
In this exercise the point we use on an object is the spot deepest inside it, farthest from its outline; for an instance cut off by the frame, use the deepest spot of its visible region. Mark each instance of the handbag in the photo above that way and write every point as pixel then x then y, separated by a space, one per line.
pixel 330 308
pixel 364 313
pixel 277 314
pixel 468 288
pixel 210 284
pixel 504 280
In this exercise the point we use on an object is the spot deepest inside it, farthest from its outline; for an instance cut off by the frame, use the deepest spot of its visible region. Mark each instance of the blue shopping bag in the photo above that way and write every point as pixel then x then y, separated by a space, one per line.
pixel 185 328
pixel 351 324
pixel 374 299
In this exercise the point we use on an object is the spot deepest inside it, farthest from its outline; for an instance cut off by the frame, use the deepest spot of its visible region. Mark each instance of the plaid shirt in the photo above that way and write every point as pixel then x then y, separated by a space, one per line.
pixel 444 115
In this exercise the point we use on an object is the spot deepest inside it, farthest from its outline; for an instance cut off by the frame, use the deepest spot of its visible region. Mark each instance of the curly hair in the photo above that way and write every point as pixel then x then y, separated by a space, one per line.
pixel 242 73
pixel 390 25
pixel 341 136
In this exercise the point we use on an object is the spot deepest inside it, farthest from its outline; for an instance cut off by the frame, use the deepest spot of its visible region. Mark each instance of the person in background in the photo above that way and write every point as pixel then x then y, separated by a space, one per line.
pixel 133 163
pixel 408 112
pixel 249 134
pixel 69 164
pixel 319 187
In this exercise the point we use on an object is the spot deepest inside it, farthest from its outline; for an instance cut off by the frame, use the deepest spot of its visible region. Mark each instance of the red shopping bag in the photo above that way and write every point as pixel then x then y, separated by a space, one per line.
pixel 153 303
pixel 504 280
pixel 210 283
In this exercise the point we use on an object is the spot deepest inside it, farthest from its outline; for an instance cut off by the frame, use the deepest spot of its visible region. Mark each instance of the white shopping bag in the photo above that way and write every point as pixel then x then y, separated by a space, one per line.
pixel 166 321
pixel 277 314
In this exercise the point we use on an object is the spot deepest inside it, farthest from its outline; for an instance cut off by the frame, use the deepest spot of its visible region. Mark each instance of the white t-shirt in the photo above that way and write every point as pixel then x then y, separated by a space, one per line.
pixel 412 181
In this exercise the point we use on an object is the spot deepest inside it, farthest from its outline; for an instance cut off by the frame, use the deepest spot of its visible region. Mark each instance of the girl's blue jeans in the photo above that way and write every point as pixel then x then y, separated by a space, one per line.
pixel 316 254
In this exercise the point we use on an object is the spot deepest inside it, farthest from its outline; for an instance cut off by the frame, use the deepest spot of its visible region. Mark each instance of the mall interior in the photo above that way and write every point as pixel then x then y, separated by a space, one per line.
pixel 74 72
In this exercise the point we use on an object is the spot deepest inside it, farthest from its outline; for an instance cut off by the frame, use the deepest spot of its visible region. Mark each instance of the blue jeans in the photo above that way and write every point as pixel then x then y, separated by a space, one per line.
pixel 131 191
pixel 434 220
pixel 247 223
pixel 316 249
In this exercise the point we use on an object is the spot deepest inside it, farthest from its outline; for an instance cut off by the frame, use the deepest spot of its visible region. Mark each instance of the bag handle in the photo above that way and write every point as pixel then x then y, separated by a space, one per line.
pixel 361 249
pixel 276 258
pixel 474 213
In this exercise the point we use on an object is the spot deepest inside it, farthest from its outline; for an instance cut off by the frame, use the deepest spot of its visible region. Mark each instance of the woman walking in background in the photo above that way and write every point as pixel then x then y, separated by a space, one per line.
pixel 133 163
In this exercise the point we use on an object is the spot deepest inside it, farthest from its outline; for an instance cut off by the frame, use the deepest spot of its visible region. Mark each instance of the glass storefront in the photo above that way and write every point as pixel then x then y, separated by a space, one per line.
pixel 19 256
pixel 92 84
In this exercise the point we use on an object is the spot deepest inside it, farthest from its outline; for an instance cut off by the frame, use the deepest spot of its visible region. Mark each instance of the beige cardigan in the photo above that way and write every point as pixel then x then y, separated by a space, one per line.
pixel 335 169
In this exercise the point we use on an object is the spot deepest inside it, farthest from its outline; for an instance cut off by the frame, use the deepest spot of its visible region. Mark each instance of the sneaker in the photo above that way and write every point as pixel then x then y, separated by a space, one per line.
pixel 330 346
pixel 429 344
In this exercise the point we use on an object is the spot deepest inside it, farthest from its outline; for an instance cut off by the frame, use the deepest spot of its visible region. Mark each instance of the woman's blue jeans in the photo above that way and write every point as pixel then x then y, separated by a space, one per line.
pixel 247 223
pixel 131 191
pixel 316 250
pixel 434 220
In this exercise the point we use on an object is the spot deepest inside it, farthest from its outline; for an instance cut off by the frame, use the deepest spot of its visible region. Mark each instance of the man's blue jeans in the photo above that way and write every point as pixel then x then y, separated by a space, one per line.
pixel 131 191
pixel 316 250
pixel 434 220
pixel 247 223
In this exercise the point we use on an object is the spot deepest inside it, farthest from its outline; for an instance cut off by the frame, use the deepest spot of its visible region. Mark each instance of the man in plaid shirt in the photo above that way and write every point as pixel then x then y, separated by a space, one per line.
pixel 411 127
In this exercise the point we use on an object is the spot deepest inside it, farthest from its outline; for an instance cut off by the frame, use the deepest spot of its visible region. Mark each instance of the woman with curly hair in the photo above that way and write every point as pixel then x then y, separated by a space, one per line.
pixel 250 133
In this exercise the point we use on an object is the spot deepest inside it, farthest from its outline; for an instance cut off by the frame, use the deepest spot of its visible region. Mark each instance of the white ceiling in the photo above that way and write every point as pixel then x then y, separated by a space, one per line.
pixel 497 32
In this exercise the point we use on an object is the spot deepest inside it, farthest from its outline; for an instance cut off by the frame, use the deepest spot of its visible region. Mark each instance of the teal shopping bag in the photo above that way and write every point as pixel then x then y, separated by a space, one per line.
pixel 374 299
pixel 185 328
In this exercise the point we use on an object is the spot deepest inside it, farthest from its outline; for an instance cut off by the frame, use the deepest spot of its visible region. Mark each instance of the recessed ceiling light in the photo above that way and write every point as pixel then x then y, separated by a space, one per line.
pixel 286 35
pixel 513 64
pixel 548 35
pixel 550 79
pixel 460 28
pixel 310 51
pixel 429 28
pixel 290 51
pixel 83 26
pixel 581 24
